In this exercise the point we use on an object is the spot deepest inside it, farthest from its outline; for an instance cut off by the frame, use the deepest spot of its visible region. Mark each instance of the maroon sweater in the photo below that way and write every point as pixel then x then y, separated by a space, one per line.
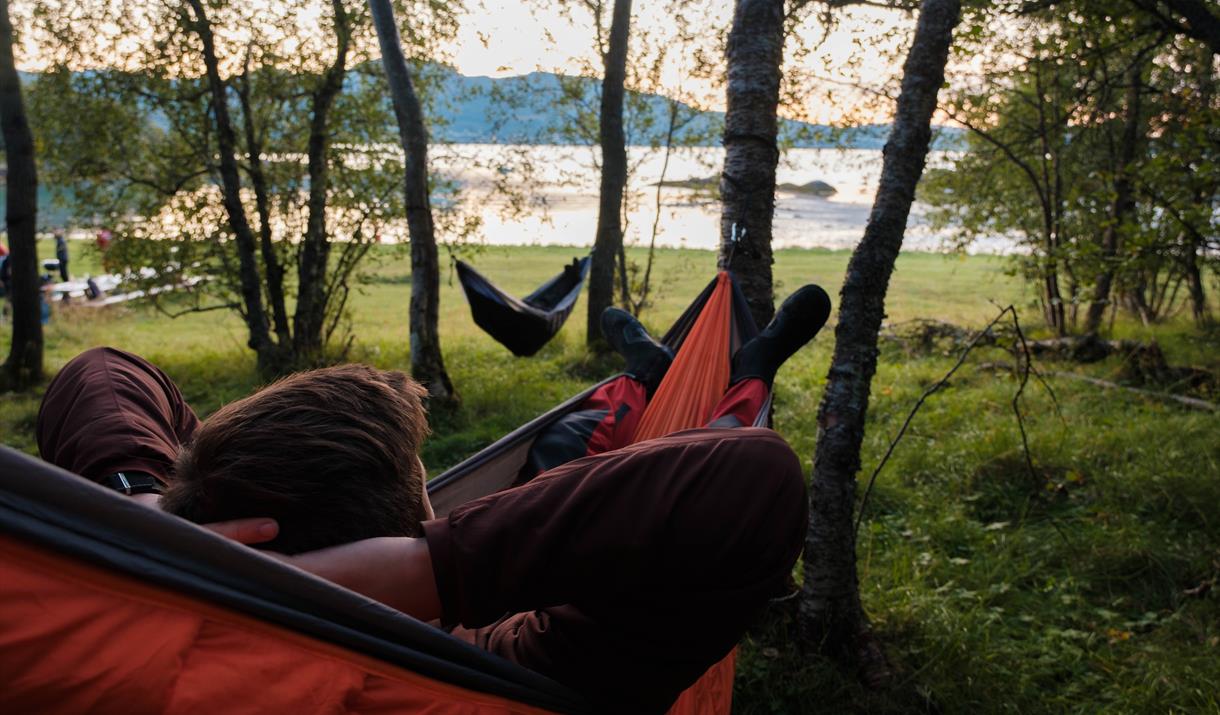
pixel 624 575
pixel 629 573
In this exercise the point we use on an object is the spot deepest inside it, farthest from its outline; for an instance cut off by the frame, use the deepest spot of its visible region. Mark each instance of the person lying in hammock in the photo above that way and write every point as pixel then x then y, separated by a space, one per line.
pixel 608 419
pixel 623 574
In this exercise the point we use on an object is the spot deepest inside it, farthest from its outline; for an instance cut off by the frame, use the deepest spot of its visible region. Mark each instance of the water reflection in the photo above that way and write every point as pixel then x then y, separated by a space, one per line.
pixel 566 185
pixel 547 195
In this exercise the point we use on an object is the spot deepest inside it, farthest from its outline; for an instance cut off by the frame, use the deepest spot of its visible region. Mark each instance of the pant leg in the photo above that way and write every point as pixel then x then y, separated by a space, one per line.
pixel 631 572
pixel 603 422
pixel 108 411
pixel 741 404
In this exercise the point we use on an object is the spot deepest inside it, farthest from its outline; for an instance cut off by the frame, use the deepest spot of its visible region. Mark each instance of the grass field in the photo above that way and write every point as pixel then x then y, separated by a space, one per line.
pixel 1086 587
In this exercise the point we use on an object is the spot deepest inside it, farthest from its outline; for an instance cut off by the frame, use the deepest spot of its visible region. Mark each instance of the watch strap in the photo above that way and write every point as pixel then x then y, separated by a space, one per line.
pixel 132 482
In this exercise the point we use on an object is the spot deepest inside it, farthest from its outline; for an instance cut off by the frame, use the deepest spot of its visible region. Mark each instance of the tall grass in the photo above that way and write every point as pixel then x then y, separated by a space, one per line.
pixel 1087 586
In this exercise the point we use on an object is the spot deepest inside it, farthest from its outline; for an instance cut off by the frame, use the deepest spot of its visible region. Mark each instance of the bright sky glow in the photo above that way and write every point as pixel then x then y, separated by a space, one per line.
pixel 504 37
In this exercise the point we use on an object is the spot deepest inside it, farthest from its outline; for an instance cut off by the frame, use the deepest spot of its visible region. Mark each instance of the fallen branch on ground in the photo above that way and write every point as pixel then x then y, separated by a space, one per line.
pixel 924 336
pixel 1192 402
pixel 1084 348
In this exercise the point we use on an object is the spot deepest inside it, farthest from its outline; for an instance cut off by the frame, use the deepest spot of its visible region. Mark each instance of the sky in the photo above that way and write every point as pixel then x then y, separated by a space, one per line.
pixel 823 60
pixel 509 38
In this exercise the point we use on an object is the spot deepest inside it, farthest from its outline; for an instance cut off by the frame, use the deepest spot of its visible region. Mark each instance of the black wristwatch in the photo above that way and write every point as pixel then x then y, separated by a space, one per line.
pixel 132 483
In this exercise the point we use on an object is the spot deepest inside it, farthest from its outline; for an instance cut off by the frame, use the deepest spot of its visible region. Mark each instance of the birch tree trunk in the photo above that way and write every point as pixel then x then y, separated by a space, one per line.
pixel 830 612
pixel 310 315
pixel 270 360
pixel 1124 201
pixel 427 364
pixel 1194 283
pixel 747 184
pixel 609 240
pixel 24 365
pixel 1194 243
pixel 262 202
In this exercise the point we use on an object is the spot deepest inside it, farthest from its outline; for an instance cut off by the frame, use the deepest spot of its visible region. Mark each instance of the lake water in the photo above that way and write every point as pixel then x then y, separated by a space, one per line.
pixel 560 188
pixel 565 182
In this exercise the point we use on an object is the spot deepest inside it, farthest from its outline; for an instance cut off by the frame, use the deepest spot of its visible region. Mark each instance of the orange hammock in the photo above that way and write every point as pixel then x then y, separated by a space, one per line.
pixel 113 607
pixel 692 387
pixel 699 375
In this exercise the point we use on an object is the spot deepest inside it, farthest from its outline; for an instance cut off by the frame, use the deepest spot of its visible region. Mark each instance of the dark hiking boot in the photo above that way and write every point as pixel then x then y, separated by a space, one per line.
pixel 647 360
pixel 800 318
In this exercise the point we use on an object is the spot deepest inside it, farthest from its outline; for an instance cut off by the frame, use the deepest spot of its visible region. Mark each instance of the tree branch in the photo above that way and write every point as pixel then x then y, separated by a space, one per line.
pixel 1191 402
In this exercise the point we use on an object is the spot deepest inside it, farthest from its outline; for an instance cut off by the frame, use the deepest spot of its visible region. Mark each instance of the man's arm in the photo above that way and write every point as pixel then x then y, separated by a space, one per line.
pixel 642 565
pixel 592 528
pixel 394 570
pixel 110 411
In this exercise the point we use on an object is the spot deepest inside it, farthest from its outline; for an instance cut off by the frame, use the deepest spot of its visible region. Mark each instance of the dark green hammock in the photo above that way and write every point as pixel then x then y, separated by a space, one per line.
pixel 523 325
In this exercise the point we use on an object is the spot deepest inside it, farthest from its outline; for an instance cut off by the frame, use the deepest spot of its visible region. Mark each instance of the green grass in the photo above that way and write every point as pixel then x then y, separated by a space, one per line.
pixel 1074 589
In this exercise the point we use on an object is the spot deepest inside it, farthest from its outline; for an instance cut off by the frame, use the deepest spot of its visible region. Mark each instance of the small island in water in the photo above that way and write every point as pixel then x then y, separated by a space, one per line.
pixel 813 188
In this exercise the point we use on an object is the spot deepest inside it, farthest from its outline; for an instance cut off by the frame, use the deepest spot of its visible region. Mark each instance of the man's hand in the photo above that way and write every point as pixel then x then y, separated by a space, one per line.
pixel 246 531
pixel 395 570
pixel 150 500
pixel 243 531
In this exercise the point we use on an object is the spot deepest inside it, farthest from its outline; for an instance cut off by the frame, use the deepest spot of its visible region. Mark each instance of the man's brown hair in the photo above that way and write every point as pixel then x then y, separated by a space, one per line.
pixel 330 454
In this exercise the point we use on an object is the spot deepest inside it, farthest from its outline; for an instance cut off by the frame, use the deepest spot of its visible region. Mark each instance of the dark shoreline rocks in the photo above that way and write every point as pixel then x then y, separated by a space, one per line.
pixel 813 188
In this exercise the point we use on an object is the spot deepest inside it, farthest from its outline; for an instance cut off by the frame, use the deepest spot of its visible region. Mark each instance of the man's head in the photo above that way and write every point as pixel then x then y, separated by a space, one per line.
pixel 330 454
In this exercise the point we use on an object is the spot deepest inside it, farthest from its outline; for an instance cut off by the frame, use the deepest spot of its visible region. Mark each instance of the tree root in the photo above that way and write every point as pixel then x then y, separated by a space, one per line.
pixel 874 667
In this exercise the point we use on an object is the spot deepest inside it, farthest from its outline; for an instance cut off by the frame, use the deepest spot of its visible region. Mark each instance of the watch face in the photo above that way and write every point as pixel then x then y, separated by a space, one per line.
pixel 130 483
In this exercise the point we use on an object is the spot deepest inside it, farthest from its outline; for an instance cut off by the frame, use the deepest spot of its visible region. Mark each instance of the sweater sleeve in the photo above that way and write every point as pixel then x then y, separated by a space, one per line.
pixel 702 513
pixel 108 411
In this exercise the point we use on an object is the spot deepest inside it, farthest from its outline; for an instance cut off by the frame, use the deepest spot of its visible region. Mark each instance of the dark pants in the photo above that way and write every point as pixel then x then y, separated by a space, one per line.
pixel 608 418
pixel 624 575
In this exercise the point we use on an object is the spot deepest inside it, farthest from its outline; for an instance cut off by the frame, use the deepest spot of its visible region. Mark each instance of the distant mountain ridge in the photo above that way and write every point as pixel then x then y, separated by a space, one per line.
pixel 473 109
pixel 521 109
